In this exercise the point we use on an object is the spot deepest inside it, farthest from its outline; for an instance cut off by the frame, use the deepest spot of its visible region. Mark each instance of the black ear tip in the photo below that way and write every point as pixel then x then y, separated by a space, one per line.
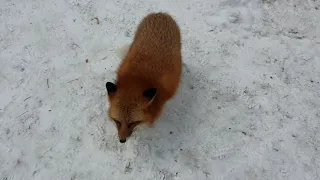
pixel 150 93
pixel 111 87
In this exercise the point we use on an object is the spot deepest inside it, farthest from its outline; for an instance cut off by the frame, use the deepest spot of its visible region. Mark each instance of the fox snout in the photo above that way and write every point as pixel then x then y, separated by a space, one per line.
pixel 124 133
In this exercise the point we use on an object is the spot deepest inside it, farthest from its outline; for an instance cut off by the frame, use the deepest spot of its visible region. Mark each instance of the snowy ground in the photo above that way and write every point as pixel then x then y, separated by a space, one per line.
pixel 248 107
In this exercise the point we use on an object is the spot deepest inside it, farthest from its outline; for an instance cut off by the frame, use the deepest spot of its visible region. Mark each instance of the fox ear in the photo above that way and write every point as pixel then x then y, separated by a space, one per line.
pixel 111 88
pixel 150 94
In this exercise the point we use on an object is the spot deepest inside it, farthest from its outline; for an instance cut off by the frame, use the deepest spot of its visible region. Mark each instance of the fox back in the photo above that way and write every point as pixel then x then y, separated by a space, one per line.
pixel 148 76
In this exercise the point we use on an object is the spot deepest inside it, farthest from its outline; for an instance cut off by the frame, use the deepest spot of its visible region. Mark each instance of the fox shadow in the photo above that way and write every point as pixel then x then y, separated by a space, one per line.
pixel 179 121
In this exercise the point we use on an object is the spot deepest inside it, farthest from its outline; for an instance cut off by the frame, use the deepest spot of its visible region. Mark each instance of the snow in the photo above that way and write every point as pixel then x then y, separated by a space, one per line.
pixel 248 106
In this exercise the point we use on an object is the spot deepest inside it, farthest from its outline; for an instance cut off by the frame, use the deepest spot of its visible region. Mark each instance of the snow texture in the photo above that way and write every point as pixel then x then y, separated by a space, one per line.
pixel 248 107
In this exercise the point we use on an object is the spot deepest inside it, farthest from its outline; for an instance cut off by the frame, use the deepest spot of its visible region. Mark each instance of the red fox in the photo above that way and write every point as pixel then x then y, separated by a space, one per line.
pixel 148 76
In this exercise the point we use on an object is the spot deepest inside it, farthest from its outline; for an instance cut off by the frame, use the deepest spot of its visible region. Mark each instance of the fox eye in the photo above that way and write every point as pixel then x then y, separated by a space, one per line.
pixel 134 124
pixel 117 122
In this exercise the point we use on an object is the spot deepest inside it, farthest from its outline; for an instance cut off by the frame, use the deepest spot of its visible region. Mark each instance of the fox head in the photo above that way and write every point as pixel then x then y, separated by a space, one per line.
pixel 130 105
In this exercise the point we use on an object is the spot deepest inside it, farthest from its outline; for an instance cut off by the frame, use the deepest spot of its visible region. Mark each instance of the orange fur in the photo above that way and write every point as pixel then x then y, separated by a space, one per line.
pixel 153 61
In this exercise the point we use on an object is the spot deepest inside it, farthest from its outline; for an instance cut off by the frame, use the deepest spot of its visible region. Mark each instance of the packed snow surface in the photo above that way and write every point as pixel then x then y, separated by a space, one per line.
pixel 248 107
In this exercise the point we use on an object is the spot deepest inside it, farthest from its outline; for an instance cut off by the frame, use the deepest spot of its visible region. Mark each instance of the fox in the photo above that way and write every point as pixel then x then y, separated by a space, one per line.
pixel 148 76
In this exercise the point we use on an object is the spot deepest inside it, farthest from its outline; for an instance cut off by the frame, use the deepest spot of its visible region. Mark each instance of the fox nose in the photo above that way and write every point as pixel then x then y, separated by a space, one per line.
pixel 122 140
